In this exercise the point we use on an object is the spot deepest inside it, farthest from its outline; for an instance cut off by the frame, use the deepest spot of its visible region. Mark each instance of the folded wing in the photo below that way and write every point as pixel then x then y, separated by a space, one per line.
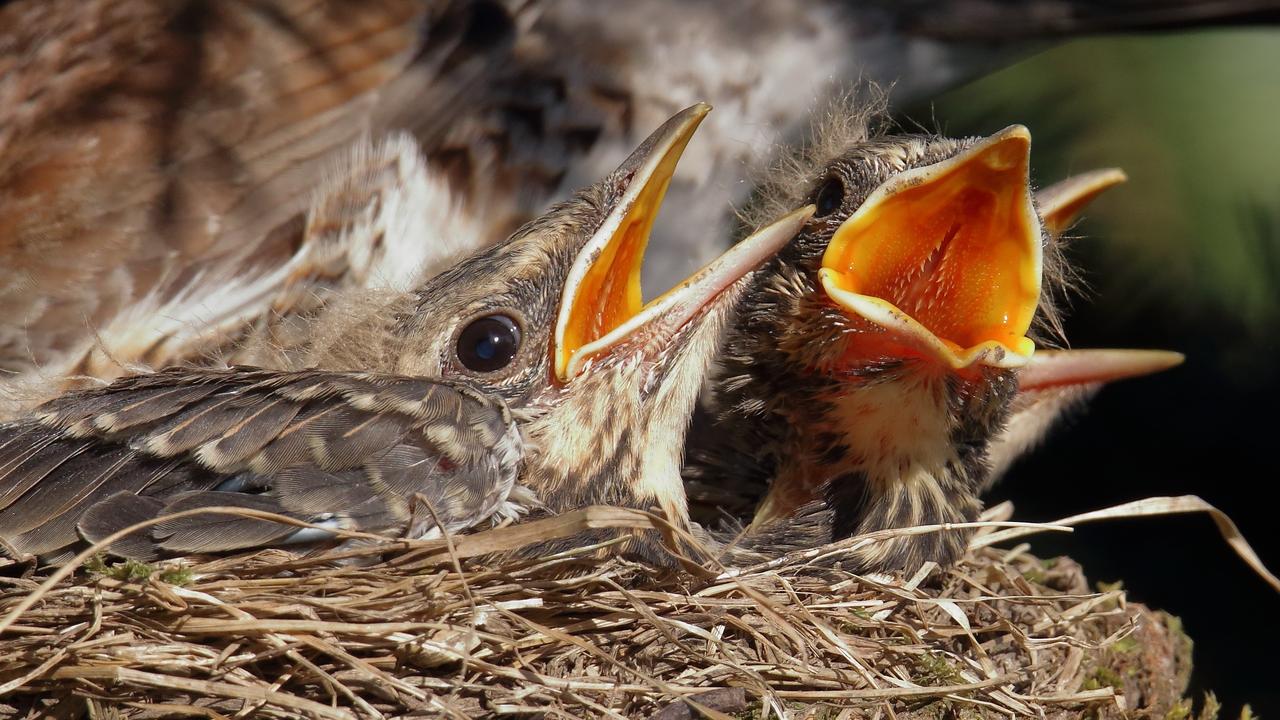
pixel 399 456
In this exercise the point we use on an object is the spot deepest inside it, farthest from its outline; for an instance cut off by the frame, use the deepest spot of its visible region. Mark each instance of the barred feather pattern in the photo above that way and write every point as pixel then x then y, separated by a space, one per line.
pixel 399 456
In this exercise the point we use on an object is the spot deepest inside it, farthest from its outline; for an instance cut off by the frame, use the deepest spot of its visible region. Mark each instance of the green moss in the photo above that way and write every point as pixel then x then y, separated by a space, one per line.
pixel 797 709
pixel 1034 575
pixel 127 570
pixel 1212 708
pixel 132 570
pixel 1106 587
pixel 1104 677
pixel 938 670
pixel 1174 624
pixel 1124 646
pixel 177 576
pixel 1180 711
pixel 818 712
pixel 945 709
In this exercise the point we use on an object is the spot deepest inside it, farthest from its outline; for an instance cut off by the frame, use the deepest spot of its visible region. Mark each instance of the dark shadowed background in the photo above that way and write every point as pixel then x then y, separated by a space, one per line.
pixel 1186 256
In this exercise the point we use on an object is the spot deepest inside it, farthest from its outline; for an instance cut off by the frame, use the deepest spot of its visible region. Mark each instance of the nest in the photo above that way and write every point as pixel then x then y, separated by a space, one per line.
pixel 445 629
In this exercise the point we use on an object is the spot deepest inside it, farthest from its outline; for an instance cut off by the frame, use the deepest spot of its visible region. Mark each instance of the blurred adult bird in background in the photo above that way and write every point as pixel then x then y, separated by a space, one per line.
pixel 157 158
pixel 877 359
pixel 548 322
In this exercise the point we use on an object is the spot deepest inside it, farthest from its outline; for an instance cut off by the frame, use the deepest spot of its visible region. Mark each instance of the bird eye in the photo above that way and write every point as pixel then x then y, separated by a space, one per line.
pixel 830 197
pixel 488 343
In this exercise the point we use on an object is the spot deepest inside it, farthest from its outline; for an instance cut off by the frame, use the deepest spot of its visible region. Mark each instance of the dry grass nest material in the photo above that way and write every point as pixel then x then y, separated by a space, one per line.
pixel 442 629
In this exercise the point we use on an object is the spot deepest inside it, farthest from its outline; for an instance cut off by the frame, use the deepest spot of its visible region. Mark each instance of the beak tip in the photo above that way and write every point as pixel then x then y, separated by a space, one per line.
pixel 1016 131
pixel 1010 149
pixel 1058 368
pixel 797 218
pixel 692 115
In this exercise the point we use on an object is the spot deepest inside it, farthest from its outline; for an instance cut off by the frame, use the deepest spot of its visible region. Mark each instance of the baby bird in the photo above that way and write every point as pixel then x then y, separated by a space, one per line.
pixel 559 380
pixel 876 358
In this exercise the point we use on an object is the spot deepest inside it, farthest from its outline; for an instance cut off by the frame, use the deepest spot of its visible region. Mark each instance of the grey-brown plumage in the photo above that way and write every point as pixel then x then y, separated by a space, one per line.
pixel 545 323
pixel 850 423
pixel 847 419
pixel 343 450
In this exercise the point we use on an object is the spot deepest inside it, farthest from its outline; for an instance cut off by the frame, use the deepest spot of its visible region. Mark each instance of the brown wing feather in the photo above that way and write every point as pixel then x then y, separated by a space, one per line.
pixel 28 458
pixel 312 445
pixel 219 532
pixel 118 512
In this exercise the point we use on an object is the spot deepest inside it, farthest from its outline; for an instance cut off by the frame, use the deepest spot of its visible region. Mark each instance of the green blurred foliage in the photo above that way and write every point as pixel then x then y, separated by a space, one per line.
pixel 1194 119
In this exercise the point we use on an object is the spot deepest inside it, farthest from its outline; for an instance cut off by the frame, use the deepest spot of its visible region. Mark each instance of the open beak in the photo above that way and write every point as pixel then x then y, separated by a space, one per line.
pixel 1056 381
pixel 946 258
pixel 1060 204
pixel 602 306
pixel 1076 368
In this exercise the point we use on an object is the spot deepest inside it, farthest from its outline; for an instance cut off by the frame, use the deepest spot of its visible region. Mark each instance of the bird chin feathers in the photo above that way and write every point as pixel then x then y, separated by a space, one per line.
pixel 628 460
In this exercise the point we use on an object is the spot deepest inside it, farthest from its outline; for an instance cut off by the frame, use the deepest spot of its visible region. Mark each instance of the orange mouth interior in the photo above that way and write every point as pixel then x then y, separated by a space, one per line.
pixel 948 255
pixel 610 294
pixel 603 290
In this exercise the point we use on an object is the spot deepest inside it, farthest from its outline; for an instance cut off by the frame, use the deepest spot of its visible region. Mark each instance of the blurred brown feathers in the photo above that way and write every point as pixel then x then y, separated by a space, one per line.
pixel 157 158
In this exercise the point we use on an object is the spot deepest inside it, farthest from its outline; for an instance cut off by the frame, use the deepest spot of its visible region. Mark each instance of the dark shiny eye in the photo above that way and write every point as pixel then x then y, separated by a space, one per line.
pixel 830 197
pixel 488 343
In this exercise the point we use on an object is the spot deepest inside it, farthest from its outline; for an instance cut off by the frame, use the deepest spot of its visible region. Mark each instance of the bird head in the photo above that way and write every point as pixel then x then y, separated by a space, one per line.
pixel 553 319
pixel 890 338
pixel 880 348
pixel 923 250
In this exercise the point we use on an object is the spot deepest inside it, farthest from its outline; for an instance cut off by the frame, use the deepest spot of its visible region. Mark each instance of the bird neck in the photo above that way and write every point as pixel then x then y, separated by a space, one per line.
pixel 879 431
pixel 615 434
pixel 917 430
pixel 604 443
pixel 902 449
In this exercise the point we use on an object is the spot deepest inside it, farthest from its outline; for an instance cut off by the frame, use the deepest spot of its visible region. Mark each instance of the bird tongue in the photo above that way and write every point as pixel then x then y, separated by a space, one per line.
pixel 946 258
